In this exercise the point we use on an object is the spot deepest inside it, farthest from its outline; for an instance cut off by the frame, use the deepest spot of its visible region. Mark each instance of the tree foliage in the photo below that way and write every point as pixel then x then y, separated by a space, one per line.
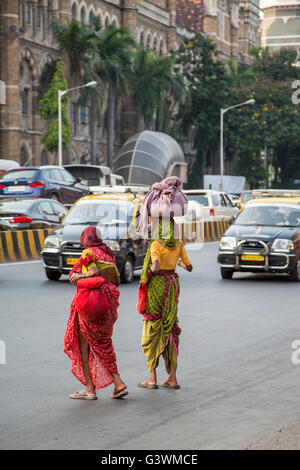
pixel 49 111
pixel 271 125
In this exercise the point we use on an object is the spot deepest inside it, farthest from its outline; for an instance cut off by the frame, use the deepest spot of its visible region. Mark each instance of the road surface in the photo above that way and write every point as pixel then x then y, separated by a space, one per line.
pixel 238 382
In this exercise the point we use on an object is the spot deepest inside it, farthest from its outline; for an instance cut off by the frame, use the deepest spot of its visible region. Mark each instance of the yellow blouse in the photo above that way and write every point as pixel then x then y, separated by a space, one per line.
pixel 100 266
pixel 168 257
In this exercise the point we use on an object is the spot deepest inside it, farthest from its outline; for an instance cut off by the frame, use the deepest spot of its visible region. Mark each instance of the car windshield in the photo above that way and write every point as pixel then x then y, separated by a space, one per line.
pixel 269 215
pixel 14 206
pixel 20 174
pixel 100 212
pixel 201 198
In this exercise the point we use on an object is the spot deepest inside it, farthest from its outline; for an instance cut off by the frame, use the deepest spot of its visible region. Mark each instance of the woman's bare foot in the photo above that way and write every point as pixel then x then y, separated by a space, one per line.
pixel 170 382
pixel 147 384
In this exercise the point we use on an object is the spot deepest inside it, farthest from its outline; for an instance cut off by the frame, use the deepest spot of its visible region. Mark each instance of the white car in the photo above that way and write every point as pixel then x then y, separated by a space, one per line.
pixel 208 204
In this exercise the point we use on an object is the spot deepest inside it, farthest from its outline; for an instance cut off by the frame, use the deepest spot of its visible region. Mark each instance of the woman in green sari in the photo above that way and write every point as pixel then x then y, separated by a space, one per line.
pixel 161 331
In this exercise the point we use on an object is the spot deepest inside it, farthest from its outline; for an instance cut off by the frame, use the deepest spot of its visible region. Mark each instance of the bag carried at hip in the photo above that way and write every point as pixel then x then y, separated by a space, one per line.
pixel 90 301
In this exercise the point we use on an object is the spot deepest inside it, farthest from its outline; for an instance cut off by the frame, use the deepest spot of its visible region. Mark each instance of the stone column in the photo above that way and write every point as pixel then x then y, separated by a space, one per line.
pixel 130 11
pixel 128 110
pixel 172 30
pixel 9 73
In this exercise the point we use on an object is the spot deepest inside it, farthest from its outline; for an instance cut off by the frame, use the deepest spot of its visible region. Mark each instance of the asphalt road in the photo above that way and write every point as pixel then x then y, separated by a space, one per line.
pixel 238 381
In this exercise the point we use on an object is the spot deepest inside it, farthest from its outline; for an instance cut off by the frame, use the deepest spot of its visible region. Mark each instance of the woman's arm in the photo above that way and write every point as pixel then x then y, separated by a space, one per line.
pixel 93 271
pixel 155 267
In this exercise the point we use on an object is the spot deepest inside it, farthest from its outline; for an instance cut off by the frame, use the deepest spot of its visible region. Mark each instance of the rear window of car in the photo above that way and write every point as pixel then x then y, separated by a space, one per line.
pixel 201 198
pixel 20 174
pixel 13 206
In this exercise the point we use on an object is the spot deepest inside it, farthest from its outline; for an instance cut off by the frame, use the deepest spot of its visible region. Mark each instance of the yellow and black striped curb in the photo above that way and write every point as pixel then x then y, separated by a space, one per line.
pixel 201 232
pixel 22 245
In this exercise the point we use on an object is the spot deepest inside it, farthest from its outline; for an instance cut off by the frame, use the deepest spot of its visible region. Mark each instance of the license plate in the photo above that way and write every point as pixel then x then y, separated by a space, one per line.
pixel 15 189
pixel 253 258
pixel 72 261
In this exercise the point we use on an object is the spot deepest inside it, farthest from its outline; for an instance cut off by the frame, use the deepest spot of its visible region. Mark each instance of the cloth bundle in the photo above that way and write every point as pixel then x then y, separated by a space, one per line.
pixel 90 301
pixel 165 199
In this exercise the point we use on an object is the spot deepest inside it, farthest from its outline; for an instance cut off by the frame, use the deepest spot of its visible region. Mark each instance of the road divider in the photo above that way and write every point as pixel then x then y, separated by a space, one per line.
pixel 202 232
pixel 24 245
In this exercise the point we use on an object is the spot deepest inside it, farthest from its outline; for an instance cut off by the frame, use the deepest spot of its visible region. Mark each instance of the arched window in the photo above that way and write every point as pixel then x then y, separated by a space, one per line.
pixel 142 38
pixel 149 41
pixel 44 157
pixel 23 156
pixel 38 15
pixel 91 16
pixel 25 101
pixel 82 15
pixel 74 11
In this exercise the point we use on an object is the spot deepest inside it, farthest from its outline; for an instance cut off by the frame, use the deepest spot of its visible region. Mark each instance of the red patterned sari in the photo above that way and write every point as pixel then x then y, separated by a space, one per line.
pixel 98 334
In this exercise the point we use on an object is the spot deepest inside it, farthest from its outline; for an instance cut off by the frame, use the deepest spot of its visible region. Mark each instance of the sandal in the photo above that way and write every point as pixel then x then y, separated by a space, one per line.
pixel 147 385
pixel 120 393
pixel 167 385
pixel 83 395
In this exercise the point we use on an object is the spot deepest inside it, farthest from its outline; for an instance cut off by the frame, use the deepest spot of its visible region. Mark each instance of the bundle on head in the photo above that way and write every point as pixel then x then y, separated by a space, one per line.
pixel 165 199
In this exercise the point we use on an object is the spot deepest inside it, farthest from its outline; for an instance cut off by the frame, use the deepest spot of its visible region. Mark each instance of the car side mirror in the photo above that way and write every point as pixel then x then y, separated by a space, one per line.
pixel 78 180
pixel 231 220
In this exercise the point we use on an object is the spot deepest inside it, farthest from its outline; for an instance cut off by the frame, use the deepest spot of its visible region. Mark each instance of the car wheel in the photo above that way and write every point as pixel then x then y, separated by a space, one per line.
pixel 127 273
pixel 52 275
pixel 295 274
pixel 55 197
pixel 226 274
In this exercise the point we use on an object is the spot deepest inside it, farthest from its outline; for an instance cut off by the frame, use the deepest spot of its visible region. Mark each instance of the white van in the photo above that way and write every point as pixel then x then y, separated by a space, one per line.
pixel 94 176
pixel 6 165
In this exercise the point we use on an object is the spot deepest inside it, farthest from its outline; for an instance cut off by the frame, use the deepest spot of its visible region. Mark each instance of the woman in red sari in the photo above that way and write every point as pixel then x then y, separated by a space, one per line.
pixel 88 342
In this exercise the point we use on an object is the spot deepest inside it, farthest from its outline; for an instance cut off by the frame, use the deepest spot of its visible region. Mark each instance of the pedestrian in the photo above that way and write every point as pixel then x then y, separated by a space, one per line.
pixel 159 288
pixel 88 337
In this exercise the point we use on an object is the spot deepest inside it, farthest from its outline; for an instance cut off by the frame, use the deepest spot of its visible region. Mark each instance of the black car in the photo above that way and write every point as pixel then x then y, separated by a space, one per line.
pixel 52 182
pixel 264 238
pixel 30 213
pixel 116 215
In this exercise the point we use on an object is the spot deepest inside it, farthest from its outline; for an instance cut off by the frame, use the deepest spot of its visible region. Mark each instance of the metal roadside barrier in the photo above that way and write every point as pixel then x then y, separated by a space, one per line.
pixel 25 245
pixel 22 245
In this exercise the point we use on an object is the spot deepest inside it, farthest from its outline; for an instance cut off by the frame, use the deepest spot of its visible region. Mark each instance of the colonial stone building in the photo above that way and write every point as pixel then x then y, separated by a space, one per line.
pixel 233 24
pixel 280 25
pixel 27 47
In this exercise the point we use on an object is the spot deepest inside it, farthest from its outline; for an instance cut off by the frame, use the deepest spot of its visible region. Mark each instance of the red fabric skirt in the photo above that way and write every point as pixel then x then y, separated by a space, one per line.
pixel 102 359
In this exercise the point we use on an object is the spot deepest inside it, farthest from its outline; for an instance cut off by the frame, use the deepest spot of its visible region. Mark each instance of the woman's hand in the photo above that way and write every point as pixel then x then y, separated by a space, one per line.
pixel 155 268
pixel 74 279
pixel 188 268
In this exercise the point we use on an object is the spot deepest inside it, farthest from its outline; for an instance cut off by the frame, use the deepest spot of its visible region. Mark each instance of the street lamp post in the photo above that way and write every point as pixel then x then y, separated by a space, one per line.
pixel 222 112
pixel 60 94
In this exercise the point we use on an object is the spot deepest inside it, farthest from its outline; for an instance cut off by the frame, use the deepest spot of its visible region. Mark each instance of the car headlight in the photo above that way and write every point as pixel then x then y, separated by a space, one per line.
pixel 282 244
pixel 113 245
pixel 51 242
pixel 228 243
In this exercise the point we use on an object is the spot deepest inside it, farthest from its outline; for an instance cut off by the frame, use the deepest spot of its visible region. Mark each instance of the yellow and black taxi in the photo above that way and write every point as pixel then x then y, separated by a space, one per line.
pixel 264 237
pixel 116 215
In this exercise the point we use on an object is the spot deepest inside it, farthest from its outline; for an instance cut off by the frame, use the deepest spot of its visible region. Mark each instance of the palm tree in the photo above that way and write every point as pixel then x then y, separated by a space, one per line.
pixel 155 87
pixel 113 50
pixel 78 41
pixel 239 78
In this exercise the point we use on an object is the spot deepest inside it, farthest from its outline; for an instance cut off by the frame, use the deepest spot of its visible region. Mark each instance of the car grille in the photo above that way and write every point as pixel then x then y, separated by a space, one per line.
pixel 74 247
pixel 253 245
